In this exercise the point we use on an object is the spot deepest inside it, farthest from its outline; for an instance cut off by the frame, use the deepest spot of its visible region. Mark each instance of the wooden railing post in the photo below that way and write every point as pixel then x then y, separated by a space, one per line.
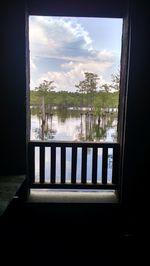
pixel 115 166
pixel 31 163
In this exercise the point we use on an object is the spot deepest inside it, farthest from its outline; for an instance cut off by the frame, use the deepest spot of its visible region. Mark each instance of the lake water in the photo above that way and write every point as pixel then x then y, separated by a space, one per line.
pixel 73 126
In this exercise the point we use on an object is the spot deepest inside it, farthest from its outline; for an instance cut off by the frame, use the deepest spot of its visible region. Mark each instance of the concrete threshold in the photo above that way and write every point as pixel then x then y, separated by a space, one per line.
pixel 72 196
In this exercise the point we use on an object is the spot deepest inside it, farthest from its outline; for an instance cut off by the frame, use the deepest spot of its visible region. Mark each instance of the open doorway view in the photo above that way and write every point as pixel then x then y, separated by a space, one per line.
pixel 74 71
pixel 74 89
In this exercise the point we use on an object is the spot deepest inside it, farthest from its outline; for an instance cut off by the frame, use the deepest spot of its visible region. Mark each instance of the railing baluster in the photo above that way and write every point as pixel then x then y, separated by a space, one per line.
pixel 94 166
pixel 63 164
pixel 42 164
pixel 84 165
pixel 74 165
pixel 115 165
pixel 53 164
pixel 104 165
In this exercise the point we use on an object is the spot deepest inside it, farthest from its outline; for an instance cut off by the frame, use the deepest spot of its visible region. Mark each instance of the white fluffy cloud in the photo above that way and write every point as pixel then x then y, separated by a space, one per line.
pixel 66 80
pixel 66 40
pixel 57 37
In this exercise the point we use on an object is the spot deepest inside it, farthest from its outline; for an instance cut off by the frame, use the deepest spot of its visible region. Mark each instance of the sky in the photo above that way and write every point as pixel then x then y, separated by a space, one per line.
pixel 62 49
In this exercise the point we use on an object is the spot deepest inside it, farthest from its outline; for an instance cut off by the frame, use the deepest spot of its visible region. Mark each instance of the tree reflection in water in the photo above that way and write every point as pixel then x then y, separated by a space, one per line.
pixel 93 128
pixel 90 128
pixel 45 130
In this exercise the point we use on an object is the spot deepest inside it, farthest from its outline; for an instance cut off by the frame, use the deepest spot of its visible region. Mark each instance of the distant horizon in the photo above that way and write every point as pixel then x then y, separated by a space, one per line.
pixel 63 48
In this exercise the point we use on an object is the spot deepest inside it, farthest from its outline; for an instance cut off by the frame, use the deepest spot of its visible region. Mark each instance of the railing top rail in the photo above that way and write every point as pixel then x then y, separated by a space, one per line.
pixel 88 144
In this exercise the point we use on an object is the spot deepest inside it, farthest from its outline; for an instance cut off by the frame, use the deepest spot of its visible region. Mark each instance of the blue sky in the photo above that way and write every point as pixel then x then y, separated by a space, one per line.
pixel 63 48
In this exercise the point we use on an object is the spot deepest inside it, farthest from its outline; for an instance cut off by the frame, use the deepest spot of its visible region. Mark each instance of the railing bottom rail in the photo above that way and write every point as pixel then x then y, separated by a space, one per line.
pixel 74 186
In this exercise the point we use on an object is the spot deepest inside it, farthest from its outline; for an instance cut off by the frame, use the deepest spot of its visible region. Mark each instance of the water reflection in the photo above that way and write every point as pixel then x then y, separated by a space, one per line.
pixel 73 125
pixel 92 128
pixel 45 130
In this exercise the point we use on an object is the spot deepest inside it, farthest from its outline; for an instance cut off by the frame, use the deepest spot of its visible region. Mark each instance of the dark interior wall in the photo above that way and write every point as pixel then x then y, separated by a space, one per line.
pixel 137 133
pixel 13 89
pixel 96 8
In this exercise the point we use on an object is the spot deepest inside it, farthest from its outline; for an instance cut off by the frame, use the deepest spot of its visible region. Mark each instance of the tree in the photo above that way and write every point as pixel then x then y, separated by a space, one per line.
pixel 91 82
pixel 105 87
pixel 115 81
pixel 81 89
pixel 88 86
pixel 43 89
pixel 91 86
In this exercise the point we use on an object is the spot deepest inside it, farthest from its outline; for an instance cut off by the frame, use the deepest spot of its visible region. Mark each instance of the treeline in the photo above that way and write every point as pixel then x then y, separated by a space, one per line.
pixel 88 94
pixel 65 99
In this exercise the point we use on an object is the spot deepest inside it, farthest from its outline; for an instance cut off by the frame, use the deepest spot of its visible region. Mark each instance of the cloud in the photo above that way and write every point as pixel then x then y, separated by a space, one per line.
pixel 74 72
pixel 66 40
pixel 105 55
pixel 52 37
